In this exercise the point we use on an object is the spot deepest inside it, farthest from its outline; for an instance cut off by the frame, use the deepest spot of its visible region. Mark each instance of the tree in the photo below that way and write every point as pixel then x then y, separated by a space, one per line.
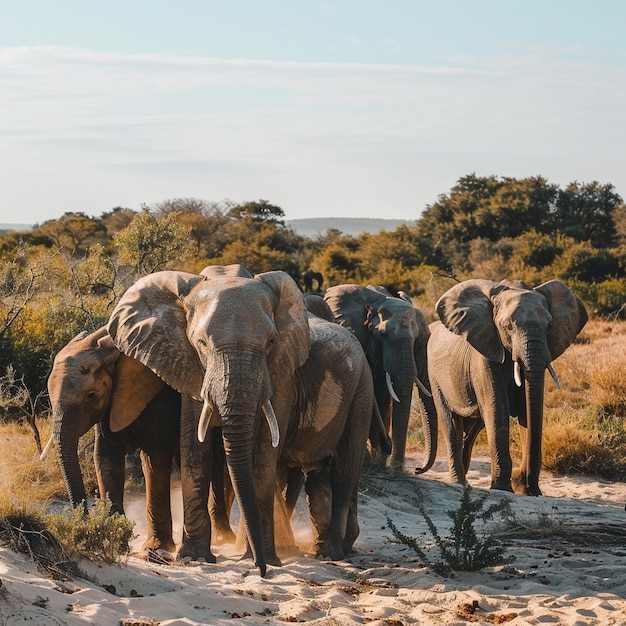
pixel 585 212
pixel 149 244
pixel 258 211
pixel 73 231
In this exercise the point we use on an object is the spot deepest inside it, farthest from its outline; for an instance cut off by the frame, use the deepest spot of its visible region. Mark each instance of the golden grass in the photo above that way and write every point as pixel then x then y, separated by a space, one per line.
pixel 24 478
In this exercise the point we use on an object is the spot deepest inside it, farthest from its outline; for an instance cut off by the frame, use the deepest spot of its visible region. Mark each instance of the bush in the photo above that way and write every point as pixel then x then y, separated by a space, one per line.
pixel 462 549
pixel 96 536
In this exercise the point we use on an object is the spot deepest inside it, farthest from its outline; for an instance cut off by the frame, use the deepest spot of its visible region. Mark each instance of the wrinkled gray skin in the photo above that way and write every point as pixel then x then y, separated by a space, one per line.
pixel 92 384
pixel 234 343
pixel 328 438
pixel 485 328
pixel 394 335
pixel 231 343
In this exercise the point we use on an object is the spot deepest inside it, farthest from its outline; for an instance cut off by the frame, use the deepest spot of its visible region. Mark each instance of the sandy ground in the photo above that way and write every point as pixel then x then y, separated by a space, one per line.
pixel 573 574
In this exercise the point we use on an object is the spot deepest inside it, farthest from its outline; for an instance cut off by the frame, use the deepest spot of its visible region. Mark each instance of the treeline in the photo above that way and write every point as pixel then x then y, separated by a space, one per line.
pixel 65 276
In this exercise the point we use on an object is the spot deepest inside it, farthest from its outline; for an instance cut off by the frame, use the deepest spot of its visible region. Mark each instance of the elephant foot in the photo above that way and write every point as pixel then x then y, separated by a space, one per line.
pixel 195 552
pixel 159 545
pixel 502 485
pixel 331 550
pixel 521 485
pixel 270 559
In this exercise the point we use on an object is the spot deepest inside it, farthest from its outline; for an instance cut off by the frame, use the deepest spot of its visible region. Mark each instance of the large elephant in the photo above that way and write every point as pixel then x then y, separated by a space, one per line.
pixel 231 343
pixel 487 359
pixel 234 344
pixel 92 384
pixel 394 335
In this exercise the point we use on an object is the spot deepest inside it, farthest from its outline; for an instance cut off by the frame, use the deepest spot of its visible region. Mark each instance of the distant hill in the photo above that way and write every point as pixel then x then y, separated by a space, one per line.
pixel 18 227
pixel 307 227
pixel 313 226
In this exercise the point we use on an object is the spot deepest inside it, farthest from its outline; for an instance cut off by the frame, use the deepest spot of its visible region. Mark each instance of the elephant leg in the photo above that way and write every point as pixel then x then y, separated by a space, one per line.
pixel 352 528
pixel 194 473
pixel 295 481
pixel 471 429
pixel 157 469
pixel 345 470
pixel 109 460
pixel 319 499
pixel 497 427
pixel 451 425
pixel 221 496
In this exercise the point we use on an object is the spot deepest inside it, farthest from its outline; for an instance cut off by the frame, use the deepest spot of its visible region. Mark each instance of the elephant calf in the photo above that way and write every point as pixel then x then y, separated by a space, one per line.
pixel 93 385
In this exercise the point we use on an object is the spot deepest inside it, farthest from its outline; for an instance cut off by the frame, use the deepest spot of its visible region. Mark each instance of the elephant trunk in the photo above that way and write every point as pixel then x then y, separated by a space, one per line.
pixel 402 375
pixel 533 359
pixel 531 464
pixel 237 396
pixel 65 441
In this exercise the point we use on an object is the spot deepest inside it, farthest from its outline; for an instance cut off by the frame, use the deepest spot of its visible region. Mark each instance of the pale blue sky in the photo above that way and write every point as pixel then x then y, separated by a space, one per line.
pixel 346 108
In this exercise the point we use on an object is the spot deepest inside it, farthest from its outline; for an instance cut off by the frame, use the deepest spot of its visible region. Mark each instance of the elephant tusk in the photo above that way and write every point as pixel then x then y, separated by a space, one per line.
pixel 422 387
pixel 390 388
pixel 204 421
pixel 272 422
pixel 45 451
pixel 517 374
pixel 555 378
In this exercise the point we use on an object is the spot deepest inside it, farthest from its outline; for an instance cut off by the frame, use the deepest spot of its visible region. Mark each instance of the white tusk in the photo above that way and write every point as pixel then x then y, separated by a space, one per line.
pixel 390 387
pixel 517 374
pixel 45 451
pixel 422 388
pixel 204 421
pixel 555 378
pixel 272 422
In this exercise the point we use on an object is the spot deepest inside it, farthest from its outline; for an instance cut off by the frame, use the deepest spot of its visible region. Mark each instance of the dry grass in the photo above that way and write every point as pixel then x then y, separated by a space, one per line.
pixel 24 478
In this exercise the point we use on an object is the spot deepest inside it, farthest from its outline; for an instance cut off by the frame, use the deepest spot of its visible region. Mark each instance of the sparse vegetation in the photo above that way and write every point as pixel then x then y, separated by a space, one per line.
pixel 463 549
pixel 97 535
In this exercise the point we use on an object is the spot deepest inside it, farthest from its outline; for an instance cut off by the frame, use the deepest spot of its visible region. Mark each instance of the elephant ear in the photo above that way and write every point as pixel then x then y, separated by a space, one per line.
pixel 292 324
pixel 467 310
pixel 135 387
pixel 350 308
pixel 149 324
pixel 568 315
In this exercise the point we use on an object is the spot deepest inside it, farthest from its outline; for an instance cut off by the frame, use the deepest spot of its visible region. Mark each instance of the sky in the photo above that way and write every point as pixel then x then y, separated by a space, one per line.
pixel 347 108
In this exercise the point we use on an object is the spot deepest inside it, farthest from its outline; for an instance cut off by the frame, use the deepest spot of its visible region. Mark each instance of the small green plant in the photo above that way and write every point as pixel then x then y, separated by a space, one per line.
pixel 97 535
pixel 463 549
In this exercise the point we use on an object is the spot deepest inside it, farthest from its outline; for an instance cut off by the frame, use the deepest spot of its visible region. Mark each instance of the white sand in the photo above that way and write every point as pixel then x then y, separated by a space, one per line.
pixel 575 582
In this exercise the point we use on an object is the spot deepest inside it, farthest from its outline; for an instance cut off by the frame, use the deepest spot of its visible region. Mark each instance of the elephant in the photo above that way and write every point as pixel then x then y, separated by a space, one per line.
pixel 394 334
pixel 309 277
pixel 92 384
pixel 487 358
pixel 236 345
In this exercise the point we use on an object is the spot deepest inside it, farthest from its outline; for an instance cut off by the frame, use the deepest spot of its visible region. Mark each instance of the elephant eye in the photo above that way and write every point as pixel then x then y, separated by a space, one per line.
pixel 91 395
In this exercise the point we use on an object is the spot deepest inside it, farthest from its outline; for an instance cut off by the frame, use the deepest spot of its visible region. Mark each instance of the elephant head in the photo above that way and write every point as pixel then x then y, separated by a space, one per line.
pixel 227 341
pixel 92 381
pixel 509 322
pixel 394 335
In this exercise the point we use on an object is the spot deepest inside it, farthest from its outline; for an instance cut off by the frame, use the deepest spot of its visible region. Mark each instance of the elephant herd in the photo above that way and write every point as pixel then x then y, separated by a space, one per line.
pixel 255 391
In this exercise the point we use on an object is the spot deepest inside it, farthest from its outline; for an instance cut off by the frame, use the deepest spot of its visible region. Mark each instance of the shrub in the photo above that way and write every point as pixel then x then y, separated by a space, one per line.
pixel 463 549
pixel 96 536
